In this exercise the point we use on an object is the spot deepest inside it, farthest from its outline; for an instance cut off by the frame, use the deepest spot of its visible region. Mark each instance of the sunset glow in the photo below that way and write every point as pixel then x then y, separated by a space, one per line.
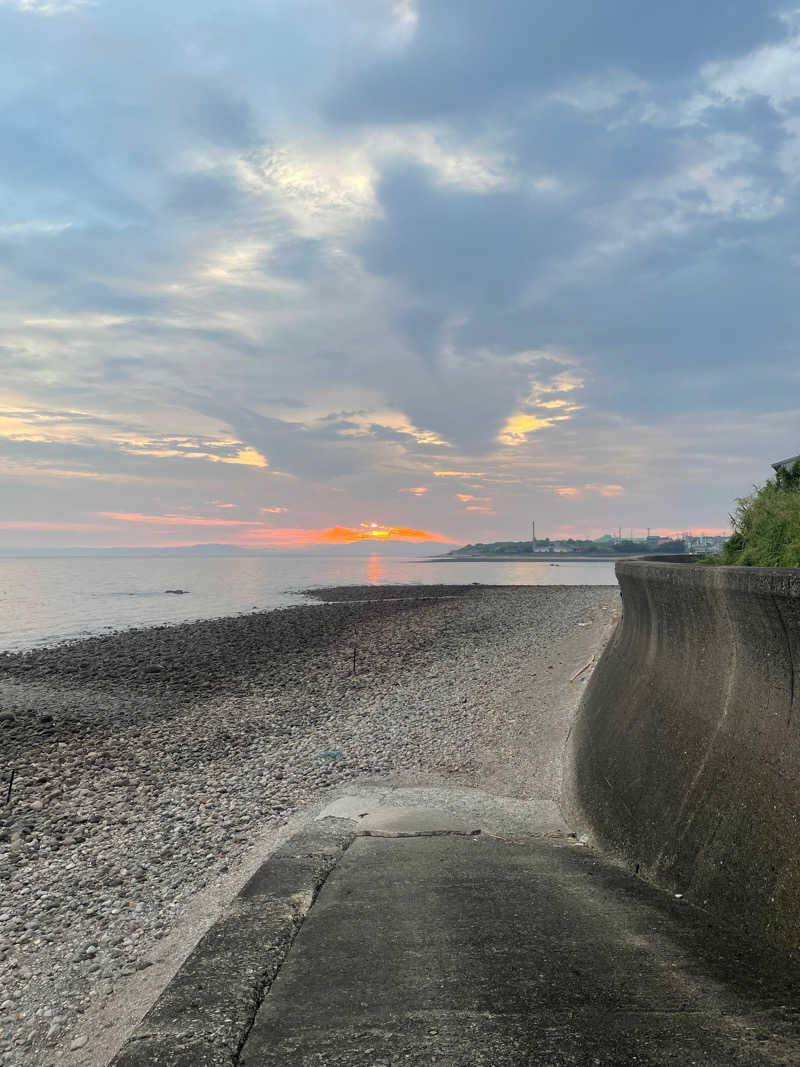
pixel 252 533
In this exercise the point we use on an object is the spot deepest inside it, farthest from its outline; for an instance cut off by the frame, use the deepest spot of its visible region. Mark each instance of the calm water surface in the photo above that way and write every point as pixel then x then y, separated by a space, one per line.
pixel 43 601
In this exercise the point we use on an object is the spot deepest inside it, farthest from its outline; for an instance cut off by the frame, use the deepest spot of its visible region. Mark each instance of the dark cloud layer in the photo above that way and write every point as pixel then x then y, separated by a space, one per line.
pixel 469 56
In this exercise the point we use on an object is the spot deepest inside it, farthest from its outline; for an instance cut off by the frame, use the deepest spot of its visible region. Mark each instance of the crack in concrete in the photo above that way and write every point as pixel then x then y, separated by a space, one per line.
pixel 417 833
pixel 266 985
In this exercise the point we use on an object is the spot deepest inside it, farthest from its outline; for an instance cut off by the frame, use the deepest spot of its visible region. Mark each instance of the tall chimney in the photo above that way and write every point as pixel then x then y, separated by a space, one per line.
pixel 533 537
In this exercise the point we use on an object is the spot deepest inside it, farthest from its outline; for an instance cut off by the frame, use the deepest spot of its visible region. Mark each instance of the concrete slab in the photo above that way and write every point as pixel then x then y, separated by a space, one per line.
pixel 369 815
pixel 463 951
pixel 473 807
pixel 351 806
pixel 205 1013
pixel 415 821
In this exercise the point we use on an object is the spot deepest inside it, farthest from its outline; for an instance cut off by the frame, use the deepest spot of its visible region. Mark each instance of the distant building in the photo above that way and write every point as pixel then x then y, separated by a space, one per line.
pixel 785 462
pixel 705 544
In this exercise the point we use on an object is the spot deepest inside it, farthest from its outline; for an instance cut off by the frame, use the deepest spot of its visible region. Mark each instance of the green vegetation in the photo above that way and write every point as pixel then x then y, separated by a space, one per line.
pixel 766 524
pixel 603 549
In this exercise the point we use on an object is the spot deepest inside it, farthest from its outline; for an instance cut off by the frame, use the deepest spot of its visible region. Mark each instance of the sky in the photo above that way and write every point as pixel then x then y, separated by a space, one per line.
pixel 291 272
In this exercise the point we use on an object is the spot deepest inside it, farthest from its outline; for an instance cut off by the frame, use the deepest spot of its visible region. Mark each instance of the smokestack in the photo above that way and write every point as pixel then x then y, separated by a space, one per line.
pixel 533 537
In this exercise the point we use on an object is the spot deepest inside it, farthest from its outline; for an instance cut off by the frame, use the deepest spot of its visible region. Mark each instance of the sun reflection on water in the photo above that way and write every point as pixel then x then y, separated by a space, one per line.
pixel 375 570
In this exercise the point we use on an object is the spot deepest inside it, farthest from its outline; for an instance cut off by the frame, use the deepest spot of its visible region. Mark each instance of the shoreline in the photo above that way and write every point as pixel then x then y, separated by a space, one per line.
pixel 151 763
pixel 557 557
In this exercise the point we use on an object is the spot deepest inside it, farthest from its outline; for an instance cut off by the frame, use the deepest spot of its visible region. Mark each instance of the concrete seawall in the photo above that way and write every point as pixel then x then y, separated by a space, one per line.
pixel 685 754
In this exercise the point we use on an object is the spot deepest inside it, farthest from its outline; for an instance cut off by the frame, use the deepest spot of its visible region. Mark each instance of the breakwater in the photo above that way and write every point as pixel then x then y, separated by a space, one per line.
pixel 684 758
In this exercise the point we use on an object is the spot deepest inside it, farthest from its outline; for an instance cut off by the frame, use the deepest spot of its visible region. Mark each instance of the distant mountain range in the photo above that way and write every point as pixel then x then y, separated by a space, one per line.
pixel 355 548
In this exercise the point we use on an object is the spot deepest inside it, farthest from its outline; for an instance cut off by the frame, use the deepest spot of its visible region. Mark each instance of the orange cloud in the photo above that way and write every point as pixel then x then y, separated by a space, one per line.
pixel 418 490
pixel 70 427
pixel 343 535
pixel 274 511
pixel 464 497
pixel 247 457
pixel 600 490
pixel 172 520
pixel 480 507
pixel 518 427
pixel 458 474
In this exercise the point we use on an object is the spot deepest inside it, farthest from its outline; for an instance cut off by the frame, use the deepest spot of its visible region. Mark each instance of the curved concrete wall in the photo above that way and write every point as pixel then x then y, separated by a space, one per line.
pixel 685 754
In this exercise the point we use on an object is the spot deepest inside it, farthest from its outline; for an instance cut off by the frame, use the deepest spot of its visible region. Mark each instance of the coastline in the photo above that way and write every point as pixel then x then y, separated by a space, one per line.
pixel 556 557
pixel 151 763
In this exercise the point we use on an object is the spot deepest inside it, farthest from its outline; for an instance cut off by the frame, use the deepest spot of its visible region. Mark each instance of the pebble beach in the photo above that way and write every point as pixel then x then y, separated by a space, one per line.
pixel 146 763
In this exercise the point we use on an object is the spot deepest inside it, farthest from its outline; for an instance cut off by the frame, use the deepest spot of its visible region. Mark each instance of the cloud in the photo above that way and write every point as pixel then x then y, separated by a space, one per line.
pixel 458 474
pixel 342 535
pixel 55 527
pixel 48 7
pixel 362 271
pixel 247 457
pixel 589 489
pixel 513 49
pixel 274 511
pixel 172 520
pixel 518 427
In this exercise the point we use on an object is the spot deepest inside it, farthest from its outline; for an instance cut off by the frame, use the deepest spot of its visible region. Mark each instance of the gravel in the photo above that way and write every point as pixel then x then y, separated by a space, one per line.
pixel 146 762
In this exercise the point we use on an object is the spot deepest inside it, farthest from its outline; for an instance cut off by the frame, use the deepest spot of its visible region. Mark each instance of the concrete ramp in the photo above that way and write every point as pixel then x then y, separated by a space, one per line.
pixel 436 944
pixel 473 950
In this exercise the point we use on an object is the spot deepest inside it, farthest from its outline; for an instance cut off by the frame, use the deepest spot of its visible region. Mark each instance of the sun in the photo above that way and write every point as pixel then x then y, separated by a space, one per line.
pixel 375 530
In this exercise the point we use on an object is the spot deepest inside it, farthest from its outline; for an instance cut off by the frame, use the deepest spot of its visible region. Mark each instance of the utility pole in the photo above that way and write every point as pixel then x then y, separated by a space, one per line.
pixel 533 537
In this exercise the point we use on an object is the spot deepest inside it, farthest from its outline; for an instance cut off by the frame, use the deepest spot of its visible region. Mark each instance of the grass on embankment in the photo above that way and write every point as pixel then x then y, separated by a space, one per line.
pixel 766 524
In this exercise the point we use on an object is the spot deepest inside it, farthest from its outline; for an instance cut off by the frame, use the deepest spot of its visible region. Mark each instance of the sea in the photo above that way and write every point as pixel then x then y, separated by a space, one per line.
pixel 45 601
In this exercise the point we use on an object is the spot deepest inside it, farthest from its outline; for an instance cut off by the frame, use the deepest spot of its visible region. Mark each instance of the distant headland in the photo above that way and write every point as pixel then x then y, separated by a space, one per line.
pixel 568 550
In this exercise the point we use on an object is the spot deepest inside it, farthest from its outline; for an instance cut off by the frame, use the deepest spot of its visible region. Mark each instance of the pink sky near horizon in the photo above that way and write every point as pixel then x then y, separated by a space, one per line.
pixel 174 530
pixel 241 533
